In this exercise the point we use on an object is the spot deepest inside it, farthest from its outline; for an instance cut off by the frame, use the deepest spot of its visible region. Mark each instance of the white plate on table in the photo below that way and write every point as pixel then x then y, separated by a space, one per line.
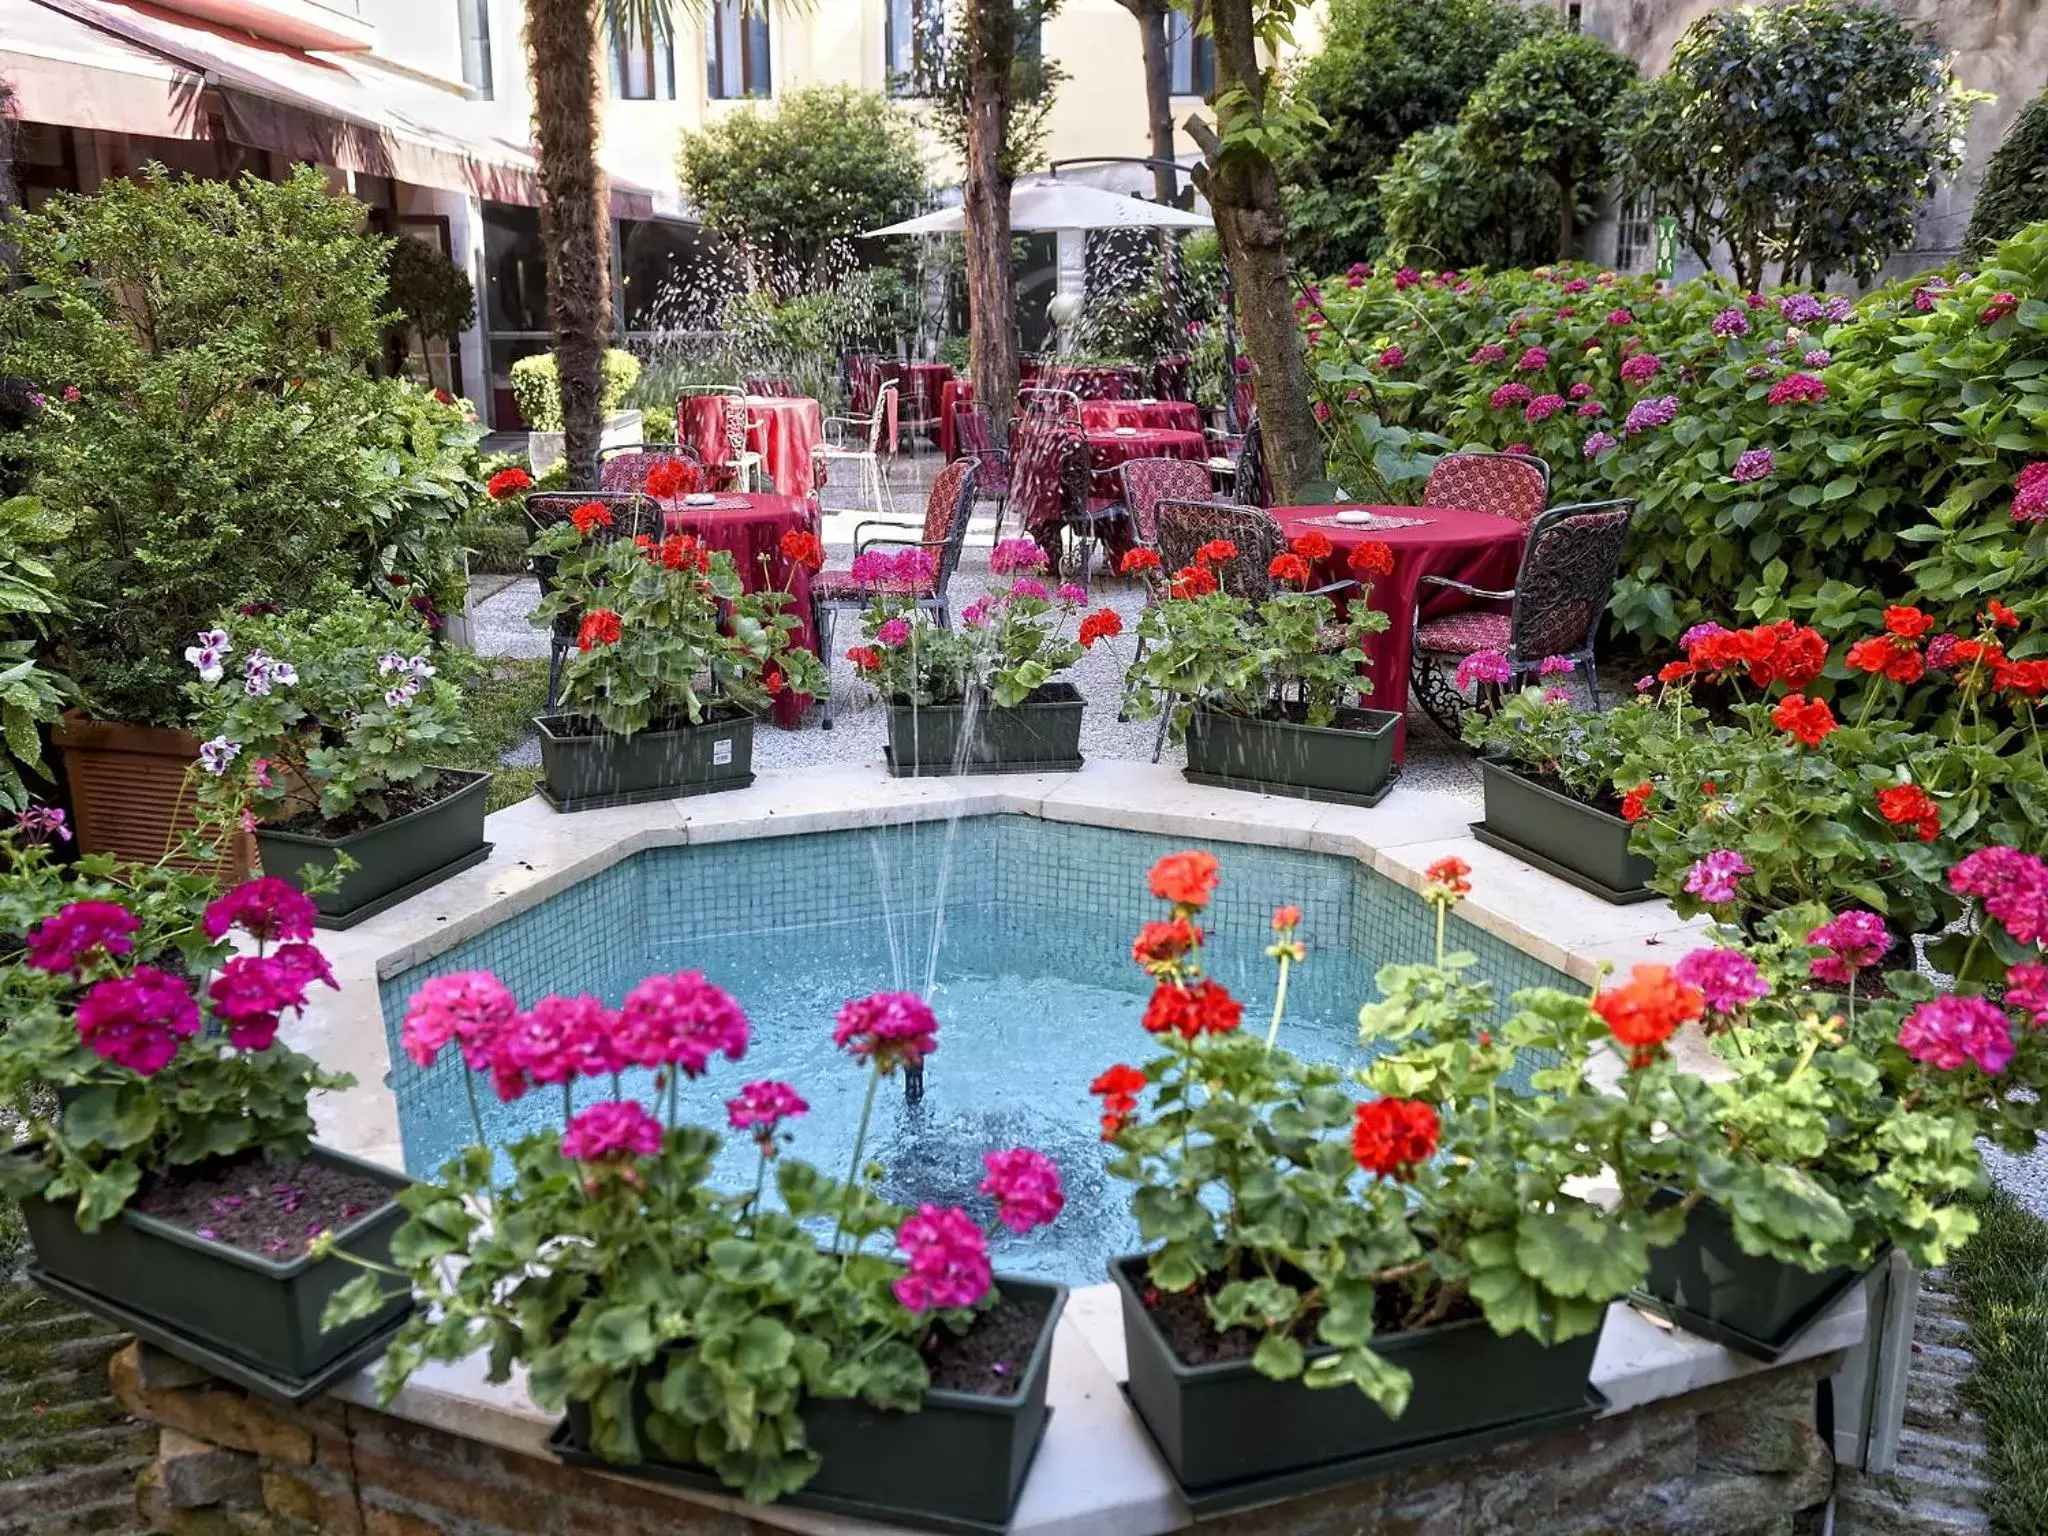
pixel 1126 431
pixel 700 499
pixel 1354 519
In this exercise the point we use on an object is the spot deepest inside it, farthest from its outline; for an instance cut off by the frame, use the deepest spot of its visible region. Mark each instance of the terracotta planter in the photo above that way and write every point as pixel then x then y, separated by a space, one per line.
pixel 132 793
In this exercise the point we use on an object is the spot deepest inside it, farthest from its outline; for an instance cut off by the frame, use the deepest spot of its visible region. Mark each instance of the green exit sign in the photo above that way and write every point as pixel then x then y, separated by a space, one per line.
pixel 1667 246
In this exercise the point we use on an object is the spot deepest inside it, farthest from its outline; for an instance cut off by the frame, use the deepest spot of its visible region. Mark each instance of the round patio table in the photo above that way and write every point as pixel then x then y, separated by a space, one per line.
pixel 1109 448
pixel 750 529
pixel 1088 383
pixel 1179 415
pixel 1473 547
pixel 781 429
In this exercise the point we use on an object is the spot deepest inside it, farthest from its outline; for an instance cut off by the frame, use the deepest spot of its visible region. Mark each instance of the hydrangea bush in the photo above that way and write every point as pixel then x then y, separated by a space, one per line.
pixel 677 1318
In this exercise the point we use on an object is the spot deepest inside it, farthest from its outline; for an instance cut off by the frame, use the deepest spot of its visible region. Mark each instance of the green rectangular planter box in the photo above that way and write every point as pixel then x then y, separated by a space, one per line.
pixel 394 859
pixel 1348 762
pixel 1754 1304
pixel 958 1463
pixel 1041 735
pixel 1224 1422
pixel 582 772
pixel 259 1311
pixel 1566 836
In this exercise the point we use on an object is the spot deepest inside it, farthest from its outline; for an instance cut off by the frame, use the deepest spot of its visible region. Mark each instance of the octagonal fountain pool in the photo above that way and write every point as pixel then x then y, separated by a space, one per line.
pixel 1017 929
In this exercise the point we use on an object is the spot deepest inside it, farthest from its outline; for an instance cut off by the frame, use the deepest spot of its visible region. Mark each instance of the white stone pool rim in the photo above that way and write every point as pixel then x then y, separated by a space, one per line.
pixel 1095 1474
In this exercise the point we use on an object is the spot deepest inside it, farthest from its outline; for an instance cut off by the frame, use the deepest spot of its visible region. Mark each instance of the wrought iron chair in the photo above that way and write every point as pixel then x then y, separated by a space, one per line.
pixel 852 440
pixel 948 508
pixel 632 515
pixel 975 440
pixel 628 471
pixel 1515 485
pixel 1148 482
pixel 1560 595
pixel 1049 407
pixel 1254 486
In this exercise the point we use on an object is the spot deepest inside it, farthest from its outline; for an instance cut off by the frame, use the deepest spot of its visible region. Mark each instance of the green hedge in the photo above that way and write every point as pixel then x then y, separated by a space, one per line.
pixel 1898 485
pixel 539 397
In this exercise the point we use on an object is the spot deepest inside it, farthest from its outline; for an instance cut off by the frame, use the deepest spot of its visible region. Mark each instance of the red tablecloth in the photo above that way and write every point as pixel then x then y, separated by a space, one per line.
pixel 920 386
pixel 952 394
pixel 1473 547
pixel 752 534
pixel 1088 383
pixel 782 430
pixel 1180 415
pixel 1109 448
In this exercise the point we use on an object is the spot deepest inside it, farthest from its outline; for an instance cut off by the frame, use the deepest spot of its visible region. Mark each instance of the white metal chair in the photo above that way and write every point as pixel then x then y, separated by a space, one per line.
pixel 874 484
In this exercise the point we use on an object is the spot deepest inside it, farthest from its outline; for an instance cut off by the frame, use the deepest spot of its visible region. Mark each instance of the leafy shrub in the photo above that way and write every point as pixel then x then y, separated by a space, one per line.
pixel 538 395
pixel 30 696
pixel 2014 192
pixel 1444 207
pixel 431 293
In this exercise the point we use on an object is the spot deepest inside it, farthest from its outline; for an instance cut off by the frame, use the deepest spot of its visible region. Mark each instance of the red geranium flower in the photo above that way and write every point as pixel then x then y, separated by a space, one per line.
pixel 1103 624
pixel 1216 552
pixel 1391 1138
pixel 1285 918
pixel 592 514
pixel 1903 804
pixel 1163 943
pixel 2029 679
pixel 671 478
pixel 508 482
pixel 1647 1011
pixel 1312 545
pixel 1897 659
pixel 866 658
pixel 680 552
pixel 1139 560
pixel 1118 1089
pixel 1907 623
pixel 1998 616
pixel 600 626
pixel 1637 801
pixel 1447 879
pixel 1192 581
pixel 801 547
pixel 1809 720
pixel 1372 558
pixel 1288 567
pixel 1202 1007
pixel 1674 672
pixel 1186 879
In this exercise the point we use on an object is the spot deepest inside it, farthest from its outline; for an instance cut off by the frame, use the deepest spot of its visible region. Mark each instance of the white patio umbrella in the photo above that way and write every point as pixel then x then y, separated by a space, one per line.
pixel 1059 205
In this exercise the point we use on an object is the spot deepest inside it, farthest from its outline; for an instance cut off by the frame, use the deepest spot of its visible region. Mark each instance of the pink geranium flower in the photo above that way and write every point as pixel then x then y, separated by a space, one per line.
pixel 65 942
pixel 890 1028
pixel 1026 1187
pixel 761 1107
pixel 469 1008
pixel 948 1260
pixel 268 908
pixel 1855 941
pixel 136 1021
pixel 1714 878
pixel 1946 1032
pixel 1728 979
pixel 680 1021
pixel 615 1128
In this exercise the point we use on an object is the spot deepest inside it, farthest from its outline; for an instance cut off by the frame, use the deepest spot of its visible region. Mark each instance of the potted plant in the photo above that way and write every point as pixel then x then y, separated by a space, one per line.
pixel 672 661
pixel 163 1155
pixel 1548 770
pixel 326 728
pixel 537 393
pixel 1259 690
pixel 984 698
pixel 1330 1280
pixel 760 1339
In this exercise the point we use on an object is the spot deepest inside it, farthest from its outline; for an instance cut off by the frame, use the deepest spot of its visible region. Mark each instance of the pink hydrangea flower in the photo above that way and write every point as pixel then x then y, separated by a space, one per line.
pixel 1543 407
pixel 556 1041
pixel 2013 887
pixel 1393 357
pixel 1798 389
pixel 1015 556
pixel 1620 317
pixel 1649 412
pixel 1713 879
pixel 2001 305
pixel 1730 322
pixel 1591 408
pixel 1406 278
pixel 1484 667
pixel 1727 978
pixel 1579 391
pixel 1597 443
pixel 894 1029
pixel 1026 1187
pixel 948 1260
pixel 268 908
pixel 895 632
pixel 469 1008
pixel 761 1107
pixel 1510 395
pixel 615 1128
pixel 1641 368
pixel 680 1021
pixel 2026 988
pixel 1855 941
pixel 1533 360
pixel 2030 493
pixel 1753 464
pixel 63 943
pixel 136 1021
pixel 1488 352
pixel 1947 1031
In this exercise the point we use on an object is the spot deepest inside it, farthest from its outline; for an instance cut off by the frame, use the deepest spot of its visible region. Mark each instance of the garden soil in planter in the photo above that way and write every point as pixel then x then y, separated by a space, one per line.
pixel 134 792
pixel 957 1465
pixel 248 1299
pixel 1227 1432
pixel 394 859
pixel 1348 762
pixel 585 767
pixel 1561 836
pixel 1041 735
pixel 1756 1306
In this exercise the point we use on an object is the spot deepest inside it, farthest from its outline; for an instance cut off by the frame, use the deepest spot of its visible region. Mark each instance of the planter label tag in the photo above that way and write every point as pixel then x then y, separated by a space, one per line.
pixel 721 751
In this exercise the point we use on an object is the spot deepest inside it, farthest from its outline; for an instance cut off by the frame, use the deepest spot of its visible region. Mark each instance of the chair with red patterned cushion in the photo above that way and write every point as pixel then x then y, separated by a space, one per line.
pixel 948 508
pixel 975 440
pixel 629 471
pixel 1148 482
pixel 1559 597
pixel 1515 485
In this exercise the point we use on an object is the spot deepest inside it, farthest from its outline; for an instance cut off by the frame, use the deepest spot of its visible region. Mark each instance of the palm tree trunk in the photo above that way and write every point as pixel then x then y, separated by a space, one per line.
pixel 561 46
pixel 1243 190
pixel 985 201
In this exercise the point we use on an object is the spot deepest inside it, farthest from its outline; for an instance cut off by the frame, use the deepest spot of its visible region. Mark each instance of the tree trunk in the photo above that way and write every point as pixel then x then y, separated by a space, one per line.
pixel 1566 194
pixel 1243 190
pixel 1151 18
pixel 985 200
pixel 561 44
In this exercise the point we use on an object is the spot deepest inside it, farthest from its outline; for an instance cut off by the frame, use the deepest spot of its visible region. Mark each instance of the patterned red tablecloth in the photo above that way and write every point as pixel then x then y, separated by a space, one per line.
pixel 750 528
pixel 782 430
pixel 1109 447
pixel 1473 547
